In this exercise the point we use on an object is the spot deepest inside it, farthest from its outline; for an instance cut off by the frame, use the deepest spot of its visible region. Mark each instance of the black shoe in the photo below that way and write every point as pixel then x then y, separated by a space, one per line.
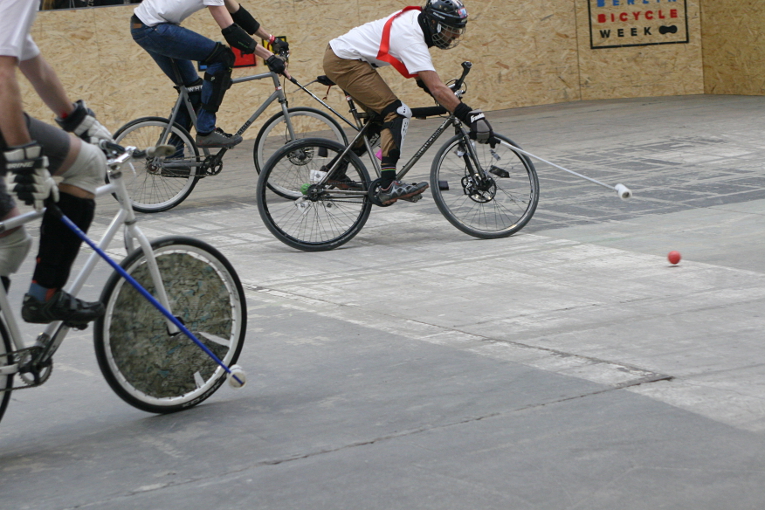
pixel 399 190
pixel 218 139
pixel 74 312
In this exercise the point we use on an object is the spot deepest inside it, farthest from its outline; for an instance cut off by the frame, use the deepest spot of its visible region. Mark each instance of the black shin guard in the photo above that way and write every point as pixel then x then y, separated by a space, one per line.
pixel 58 244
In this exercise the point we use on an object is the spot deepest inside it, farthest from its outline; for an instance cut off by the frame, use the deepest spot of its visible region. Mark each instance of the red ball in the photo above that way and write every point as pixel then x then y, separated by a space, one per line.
pixel 674 257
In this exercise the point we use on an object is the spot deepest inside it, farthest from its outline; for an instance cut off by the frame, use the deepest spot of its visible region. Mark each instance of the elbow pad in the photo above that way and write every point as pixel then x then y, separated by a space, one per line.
pixel 245 20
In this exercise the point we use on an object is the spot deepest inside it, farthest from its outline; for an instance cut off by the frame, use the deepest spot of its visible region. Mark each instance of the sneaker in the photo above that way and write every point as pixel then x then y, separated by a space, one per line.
pixel 218 139
pixel 399 190
pixel 61 307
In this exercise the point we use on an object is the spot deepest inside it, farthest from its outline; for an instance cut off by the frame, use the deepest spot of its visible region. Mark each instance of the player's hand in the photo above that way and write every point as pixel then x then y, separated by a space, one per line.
pixel 480 129
pixel 281 48
pixel 82 122
pixel 29 178
pixel 276 65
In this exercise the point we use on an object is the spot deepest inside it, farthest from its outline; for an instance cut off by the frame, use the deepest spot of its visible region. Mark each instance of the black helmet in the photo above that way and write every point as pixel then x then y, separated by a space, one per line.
pixel 447 20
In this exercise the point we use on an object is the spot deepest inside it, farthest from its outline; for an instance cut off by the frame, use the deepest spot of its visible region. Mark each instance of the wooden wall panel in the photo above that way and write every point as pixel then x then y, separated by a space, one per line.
pixel 734 47
pixel 640 71
pixel 524 53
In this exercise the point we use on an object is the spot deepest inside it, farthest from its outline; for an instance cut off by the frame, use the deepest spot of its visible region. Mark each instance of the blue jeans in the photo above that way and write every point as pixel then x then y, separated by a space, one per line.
pixel 168 43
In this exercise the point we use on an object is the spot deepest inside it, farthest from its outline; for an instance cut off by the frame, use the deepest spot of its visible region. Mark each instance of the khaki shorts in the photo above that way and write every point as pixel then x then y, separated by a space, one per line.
pixel 364 84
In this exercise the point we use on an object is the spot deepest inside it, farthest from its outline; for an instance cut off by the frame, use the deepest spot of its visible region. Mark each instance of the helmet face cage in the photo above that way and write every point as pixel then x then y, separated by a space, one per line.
pixel 448 21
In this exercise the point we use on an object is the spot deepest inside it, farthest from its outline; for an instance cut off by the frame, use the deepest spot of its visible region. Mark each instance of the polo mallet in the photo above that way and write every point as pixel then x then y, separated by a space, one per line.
pixel 621 190
pixel 236 376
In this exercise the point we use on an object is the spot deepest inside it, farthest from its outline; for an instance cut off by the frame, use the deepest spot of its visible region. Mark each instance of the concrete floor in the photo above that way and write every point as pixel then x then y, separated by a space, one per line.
pixel 567 367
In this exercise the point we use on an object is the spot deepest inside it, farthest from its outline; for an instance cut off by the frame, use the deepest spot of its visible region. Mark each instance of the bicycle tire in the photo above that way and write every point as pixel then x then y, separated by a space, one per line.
pixel 6 383
pixel 326 222
pixel 146 366
pixel 153 187
pixel 499 207
pixel 308 122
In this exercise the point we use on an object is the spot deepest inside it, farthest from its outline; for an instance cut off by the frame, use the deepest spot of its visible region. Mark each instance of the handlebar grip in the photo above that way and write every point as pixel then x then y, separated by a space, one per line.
pixel 428 111
pixel 466 66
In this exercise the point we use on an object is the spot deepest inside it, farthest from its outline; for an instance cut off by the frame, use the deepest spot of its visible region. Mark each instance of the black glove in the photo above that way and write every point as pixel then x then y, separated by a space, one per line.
pixel 280 47
pixel 245 20
pixel 30 179
pixel 275 64
pixel 238 38
pixel 82 122
pixel 480 129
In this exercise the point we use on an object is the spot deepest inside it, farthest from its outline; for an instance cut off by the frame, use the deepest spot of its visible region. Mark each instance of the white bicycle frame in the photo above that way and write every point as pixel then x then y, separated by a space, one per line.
pixel 125 216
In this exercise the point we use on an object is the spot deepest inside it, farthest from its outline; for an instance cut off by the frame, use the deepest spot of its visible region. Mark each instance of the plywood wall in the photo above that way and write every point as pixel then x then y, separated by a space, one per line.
pixel 524 53
pixel 734 46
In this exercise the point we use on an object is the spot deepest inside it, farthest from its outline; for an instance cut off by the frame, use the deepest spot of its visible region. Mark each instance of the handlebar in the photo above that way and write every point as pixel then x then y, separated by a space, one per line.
pixel 466 66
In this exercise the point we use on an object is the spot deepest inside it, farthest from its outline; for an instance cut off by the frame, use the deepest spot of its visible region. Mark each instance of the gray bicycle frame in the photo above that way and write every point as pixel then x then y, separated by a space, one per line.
pixel 125 216
pixel 449 121
pixel 278 94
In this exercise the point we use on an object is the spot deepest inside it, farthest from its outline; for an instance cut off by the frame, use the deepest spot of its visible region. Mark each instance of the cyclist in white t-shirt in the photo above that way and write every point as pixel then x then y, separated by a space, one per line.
pixel 30 151
pixel 403 41
pixel 155 26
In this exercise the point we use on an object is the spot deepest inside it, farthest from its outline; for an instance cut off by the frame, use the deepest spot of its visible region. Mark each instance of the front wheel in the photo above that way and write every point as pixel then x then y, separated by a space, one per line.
pixel 6 382
pixel 159 184
pixel 303 206
pixel 306 123
pixel 146 365
pixel 496 201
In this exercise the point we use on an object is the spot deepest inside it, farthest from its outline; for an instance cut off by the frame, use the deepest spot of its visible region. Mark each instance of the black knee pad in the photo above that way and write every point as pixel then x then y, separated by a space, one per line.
pixel 59 245
pixel 221 80
pixel 398 126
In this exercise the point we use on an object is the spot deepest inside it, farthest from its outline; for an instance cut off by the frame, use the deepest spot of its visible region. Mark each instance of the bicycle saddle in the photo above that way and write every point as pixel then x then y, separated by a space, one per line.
pixel 324 80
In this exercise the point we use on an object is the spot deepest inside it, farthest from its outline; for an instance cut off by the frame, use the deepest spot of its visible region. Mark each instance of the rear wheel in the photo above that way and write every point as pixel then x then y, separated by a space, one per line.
pixel 146 365
pixel 159 184
pixel 498 203
pixel 6 382
pixel 305 214
pixel 306 122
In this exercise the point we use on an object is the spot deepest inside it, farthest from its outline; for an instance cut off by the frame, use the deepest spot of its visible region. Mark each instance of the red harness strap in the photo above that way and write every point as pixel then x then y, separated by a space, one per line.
pixel 383 54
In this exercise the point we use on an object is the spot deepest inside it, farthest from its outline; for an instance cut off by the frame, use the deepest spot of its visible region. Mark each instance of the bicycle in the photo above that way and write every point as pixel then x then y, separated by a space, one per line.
pixel 163 183
pixel 315 194
pixel 147 360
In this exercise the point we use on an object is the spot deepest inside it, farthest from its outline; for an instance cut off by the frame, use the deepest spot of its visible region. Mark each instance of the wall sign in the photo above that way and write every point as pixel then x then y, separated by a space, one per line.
pixel 619 23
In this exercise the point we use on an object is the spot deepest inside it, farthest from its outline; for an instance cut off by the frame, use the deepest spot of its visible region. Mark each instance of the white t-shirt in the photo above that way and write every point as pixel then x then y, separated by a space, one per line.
pixel 16 18
pixel 407 43
pixel 154 12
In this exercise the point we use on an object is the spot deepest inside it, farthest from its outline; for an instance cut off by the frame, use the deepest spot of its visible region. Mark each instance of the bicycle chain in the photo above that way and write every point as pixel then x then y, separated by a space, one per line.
pixel 31 375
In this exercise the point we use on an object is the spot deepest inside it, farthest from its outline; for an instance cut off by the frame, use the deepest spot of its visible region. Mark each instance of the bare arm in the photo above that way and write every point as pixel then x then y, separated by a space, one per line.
pixel 45 81
pixel 12 124
pixel 442 94
pixel 222 15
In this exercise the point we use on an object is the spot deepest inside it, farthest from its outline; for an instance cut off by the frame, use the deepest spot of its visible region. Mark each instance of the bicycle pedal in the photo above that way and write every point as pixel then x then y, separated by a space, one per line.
pixel 499 172
pixel 76 325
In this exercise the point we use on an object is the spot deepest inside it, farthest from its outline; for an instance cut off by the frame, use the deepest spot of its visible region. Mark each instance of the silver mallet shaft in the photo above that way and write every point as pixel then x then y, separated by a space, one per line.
pixel 621 190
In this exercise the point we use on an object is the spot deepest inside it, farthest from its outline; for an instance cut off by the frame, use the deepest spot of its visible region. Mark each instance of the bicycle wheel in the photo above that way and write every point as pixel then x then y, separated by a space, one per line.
pixel 148 367
pixel 304 214
pixel 6 382
pixel 307 122
pixel 500 204
pixel 159 184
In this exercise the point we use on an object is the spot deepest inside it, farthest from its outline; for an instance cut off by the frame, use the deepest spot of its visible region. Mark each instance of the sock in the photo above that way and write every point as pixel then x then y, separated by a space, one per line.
pixel 387 176
pixel 40 293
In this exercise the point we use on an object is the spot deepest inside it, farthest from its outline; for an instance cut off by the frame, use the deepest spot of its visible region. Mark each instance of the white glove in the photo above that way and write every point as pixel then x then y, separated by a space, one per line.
pixel 30 179
pixel 83 123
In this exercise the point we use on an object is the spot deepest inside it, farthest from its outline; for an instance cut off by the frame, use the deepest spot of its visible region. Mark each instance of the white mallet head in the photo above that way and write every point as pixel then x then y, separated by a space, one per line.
pixel 236 373
pixel 623 191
